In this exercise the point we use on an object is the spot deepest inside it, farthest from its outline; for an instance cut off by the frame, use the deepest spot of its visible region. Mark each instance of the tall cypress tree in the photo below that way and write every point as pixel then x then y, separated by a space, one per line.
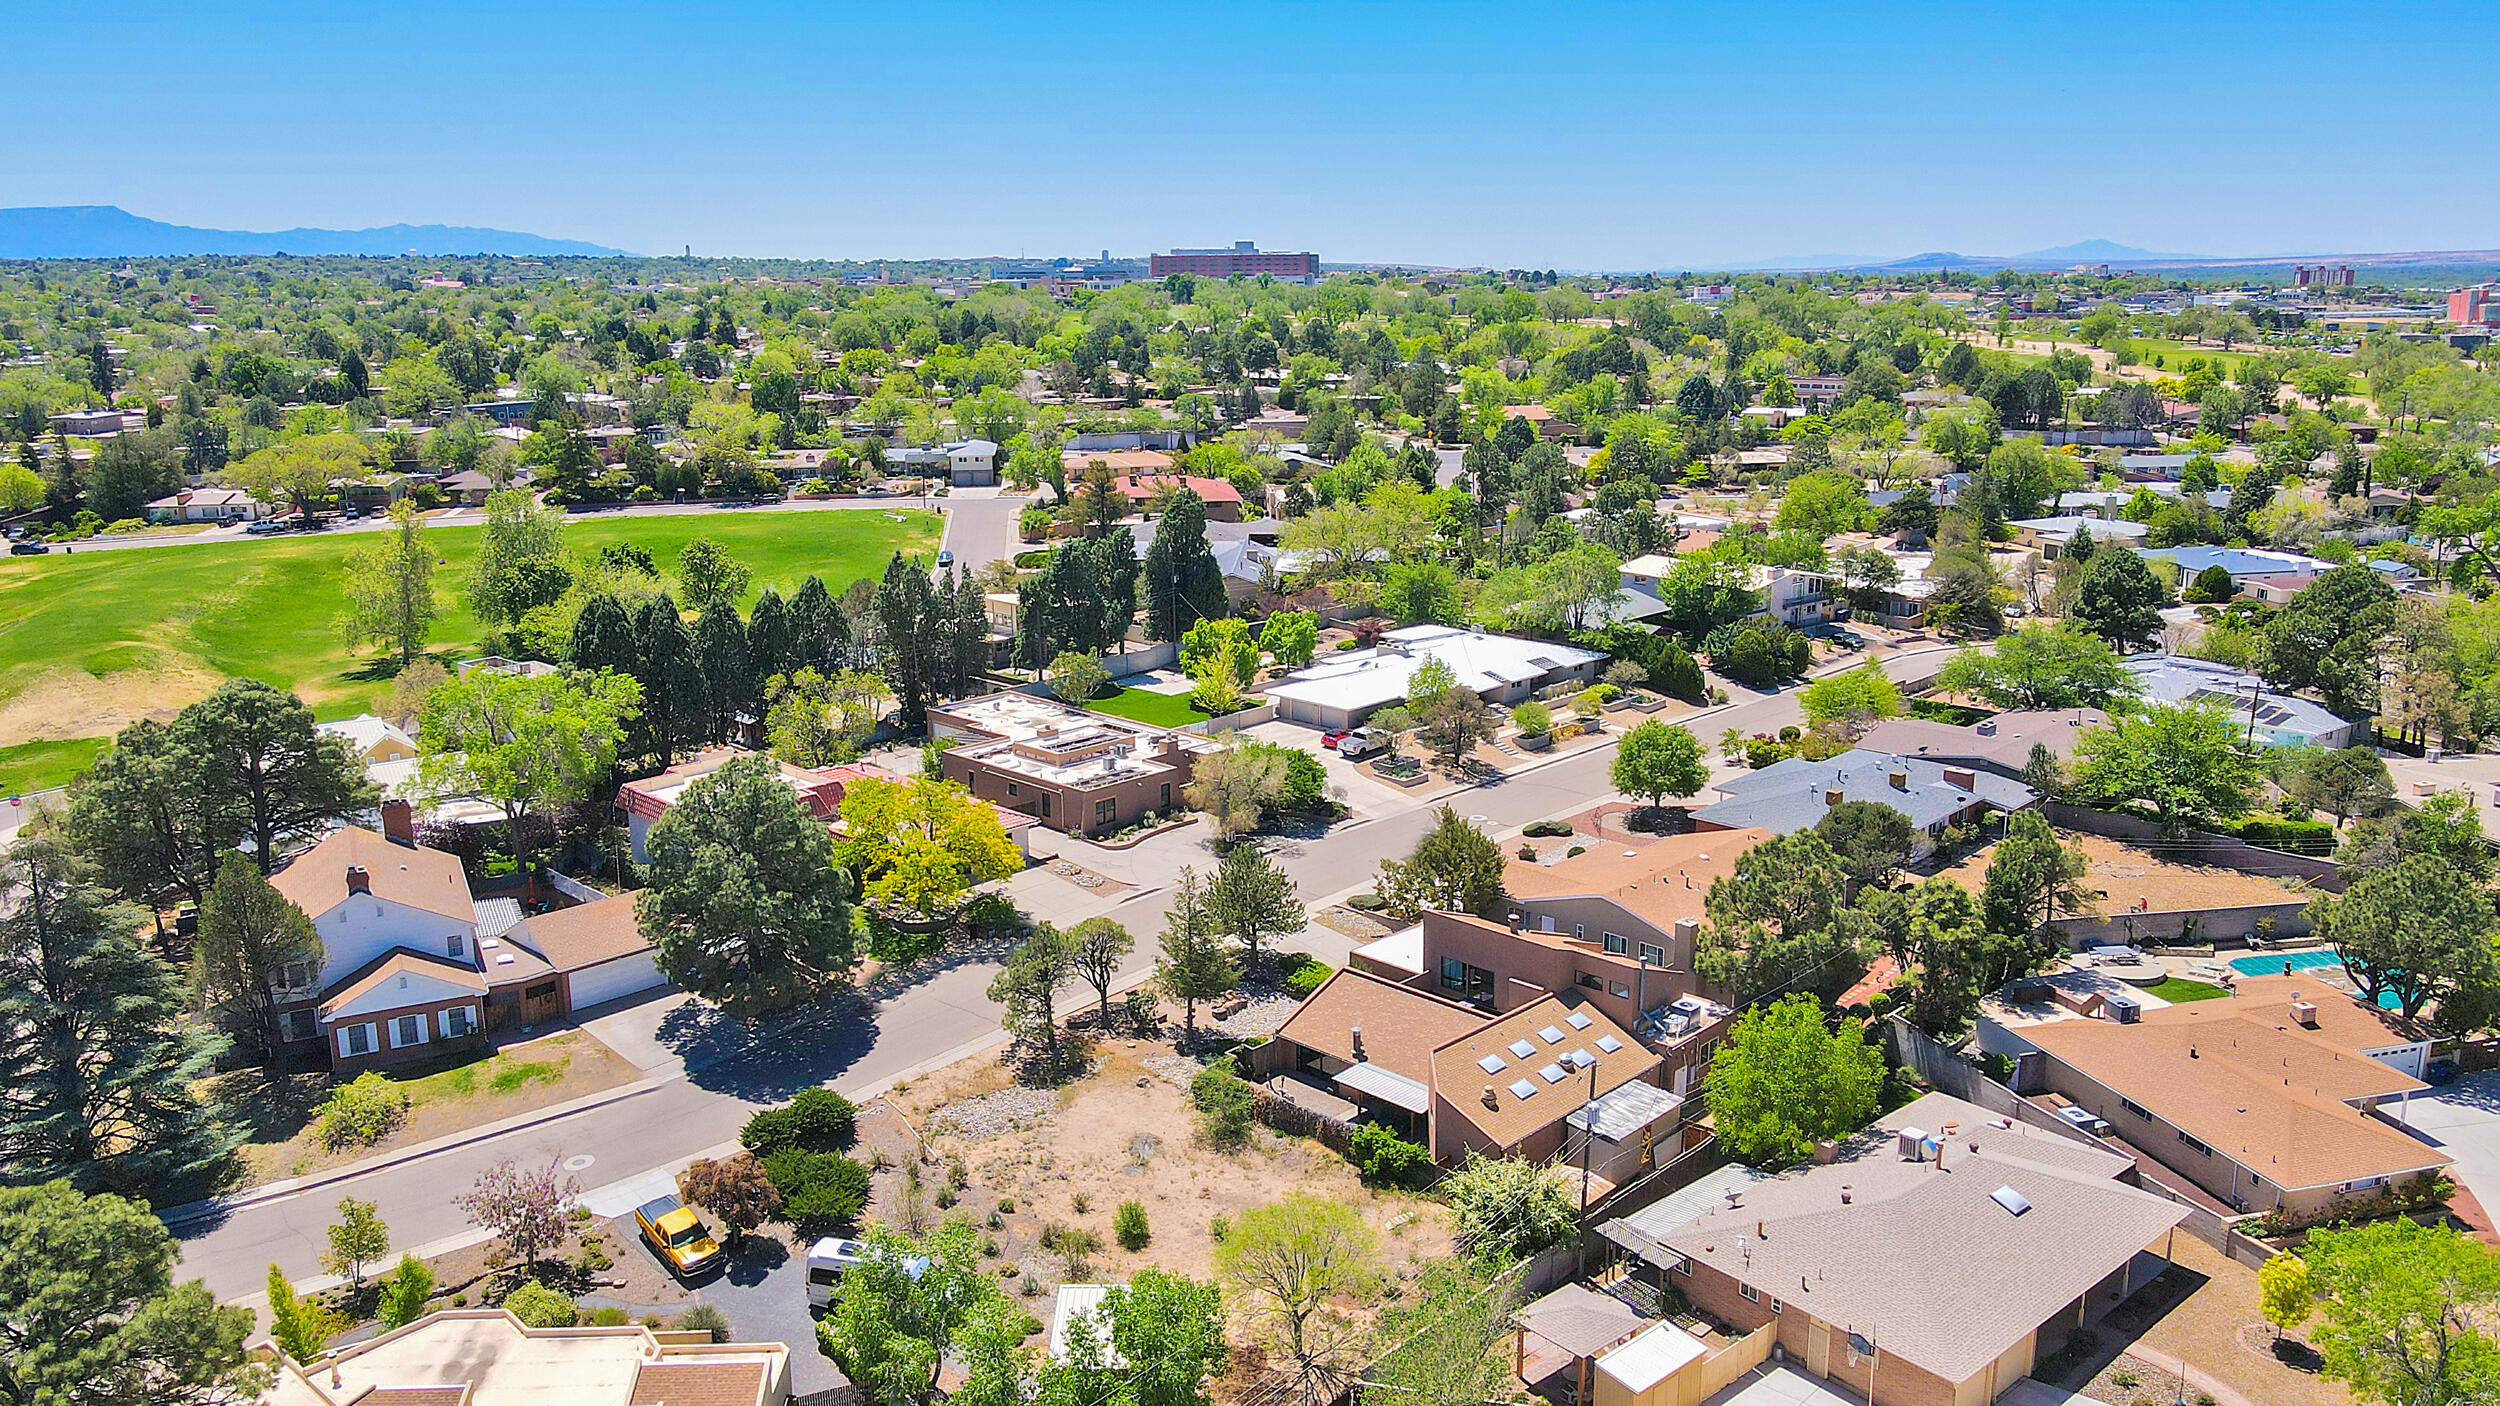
pixel 672 686
pixel 820 636
pixel 98 1049
pixel 770 642
pixel 1183 585
pixel 604 637
pixel 905 611
pixel 720 652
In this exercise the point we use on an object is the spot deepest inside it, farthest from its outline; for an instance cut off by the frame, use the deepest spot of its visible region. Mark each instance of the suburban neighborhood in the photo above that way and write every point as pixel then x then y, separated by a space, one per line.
pixel 1213 824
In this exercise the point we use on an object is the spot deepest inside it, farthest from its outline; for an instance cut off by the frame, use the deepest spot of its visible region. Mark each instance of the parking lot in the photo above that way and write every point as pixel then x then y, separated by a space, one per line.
pixel 2462 1119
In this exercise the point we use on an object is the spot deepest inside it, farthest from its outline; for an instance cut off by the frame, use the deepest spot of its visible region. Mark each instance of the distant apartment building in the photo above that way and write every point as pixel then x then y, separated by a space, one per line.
pixel 2478 306
pixel 1818 390
pixel 1244 258
pixel 2322 276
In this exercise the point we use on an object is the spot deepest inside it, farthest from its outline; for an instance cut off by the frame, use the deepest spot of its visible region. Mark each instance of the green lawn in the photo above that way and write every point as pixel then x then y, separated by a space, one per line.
pixel 1153 709
pixel 2176 989
pixel 89 641
pixel 2173 353
pixel 40 766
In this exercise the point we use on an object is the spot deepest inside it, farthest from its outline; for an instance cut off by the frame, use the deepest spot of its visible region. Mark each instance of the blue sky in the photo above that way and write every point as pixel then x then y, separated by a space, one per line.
pixel 1588 136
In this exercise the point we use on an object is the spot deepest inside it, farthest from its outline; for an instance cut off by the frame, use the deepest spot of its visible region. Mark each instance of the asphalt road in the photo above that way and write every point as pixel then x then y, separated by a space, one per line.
pixel 853 1048
pixel 474 517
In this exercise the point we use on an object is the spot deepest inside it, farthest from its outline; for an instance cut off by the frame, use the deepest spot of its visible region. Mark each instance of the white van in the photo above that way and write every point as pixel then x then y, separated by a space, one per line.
pixel 827 1261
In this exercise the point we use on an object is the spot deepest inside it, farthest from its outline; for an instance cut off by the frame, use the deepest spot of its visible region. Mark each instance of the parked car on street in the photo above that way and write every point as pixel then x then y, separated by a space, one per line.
pixel 678 1236
pixel 264 526
pixel 29 548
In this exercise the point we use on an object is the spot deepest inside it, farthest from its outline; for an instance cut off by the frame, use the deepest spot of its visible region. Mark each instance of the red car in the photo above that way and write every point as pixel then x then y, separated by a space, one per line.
pixel 1333 736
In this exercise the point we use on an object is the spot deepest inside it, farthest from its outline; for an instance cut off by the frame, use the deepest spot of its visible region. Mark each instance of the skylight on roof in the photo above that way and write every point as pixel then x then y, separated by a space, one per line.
pixel 1609 1043
pixel 1580 1058
pixel 1577 1020
pixel 1491 1064
pixel 1552 1074
pixel 1523 1089
pixel 1522 1049
pixel 2010 1199
pixel 1551 1035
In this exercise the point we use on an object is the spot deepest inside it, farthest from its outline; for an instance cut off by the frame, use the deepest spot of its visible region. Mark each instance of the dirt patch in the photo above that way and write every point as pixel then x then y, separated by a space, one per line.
pixel 1126 1132
pixel 443 1099
pixel 2207 1329
pixel 61 703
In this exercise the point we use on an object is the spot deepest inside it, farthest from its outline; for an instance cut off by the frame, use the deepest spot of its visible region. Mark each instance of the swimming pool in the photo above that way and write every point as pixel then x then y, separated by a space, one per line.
pixel 2310 960
pixel 2297 961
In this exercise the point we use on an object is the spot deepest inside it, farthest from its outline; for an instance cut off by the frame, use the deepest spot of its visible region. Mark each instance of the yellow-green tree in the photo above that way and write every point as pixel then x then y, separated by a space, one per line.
pixel 2283 1293
pixel 921 844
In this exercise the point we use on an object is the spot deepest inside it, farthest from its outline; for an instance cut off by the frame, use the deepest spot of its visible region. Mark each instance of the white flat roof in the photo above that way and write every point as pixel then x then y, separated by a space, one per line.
pixel 1403 950
pixel 1481 661
pixel 1655 1354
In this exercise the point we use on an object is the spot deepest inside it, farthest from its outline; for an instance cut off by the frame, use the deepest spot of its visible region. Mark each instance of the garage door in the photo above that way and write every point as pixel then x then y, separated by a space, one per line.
pixel 609 980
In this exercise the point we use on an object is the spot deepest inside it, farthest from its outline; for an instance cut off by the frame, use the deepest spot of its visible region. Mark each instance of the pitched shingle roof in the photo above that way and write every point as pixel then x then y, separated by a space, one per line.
pixel 424 879
pixel 1401 1026
pixel 1922 1259
pixel 1560 1040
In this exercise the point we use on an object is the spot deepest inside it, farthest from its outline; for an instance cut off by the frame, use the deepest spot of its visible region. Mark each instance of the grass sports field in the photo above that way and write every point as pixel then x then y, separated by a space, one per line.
pixel 90 642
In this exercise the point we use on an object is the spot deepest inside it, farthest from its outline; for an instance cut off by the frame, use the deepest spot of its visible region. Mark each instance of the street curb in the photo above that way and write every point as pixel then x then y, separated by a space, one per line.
pixel 175 1217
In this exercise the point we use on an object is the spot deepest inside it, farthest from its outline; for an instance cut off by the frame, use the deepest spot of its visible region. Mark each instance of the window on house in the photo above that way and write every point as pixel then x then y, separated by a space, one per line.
pixel 1653 955
pixel 1683 1266
pixel 1775 1308
pixel 356 1040
pixel 1013 790
pixel 1167 797
pixel 1106 811
pixel 1453 974
pixel 1617 988
pixel 2195 1146
pixel 1046 805
pixel 1579 932
pixel 1615 942
pixel 299 1025
pixel 2136 1108
pixel 1749 1293
pixel 456 1023
pixel 455 945
pixel 1591 981
pixel 407 1030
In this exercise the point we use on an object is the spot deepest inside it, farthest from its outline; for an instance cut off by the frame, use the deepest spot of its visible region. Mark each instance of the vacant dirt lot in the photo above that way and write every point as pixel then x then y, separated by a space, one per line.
pixel 1031 1157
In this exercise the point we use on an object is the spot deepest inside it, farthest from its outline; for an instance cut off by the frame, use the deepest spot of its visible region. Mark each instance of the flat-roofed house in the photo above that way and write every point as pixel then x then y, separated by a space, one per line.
pixel 487 1357
pixel 1935 1261
pixel 1080 772
pixel 1343 689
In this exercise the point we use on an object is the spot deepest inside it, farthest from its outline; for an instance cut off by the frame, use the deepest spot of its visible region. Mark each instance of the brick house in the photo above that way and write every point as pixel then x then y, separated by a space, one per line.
pixel 399 977
pixel 1080 772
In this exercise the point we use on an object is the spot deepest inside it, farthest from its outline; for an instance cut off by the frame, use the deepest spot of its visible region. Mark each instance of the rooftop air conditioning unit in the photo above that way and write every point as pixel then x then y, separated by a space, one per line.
pixel 2125 1008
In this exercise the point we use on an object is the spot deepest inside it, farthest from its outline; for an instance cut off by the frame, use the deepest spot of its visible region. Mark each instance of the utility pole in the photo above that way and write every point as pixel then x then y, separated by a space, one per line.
pixel 1588 1139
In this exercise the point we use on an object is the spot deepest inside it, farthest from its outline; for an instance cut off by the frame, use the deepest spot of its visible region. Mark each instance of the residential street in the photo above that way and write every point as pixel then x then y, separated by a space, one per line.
pixel 472 517
pixel 614 1148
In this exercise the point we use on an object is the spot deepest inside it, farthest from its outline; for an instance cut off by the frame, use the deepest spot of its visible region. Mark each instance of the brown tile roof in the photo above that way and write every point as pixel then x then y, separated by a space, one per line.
pixel 1401 1026
pixel 2344 1020
pixel 584 936
pixel 382 969
pixel 1458 1077
pixel 1660 883
pixel 424 879
pixel 414 1396
pixel 2248 1083
pixel 2008 746
pixel 1921 1258
pixel 698 1384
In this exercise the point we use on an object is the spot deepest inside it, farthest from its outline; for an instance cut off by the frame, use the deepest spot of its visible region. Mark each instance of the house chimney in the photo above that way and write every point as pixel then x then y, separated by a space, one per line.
pixel 1960 776
pixel 1518 920
pixel 1900 779
pixel 399 822
pixel 2304 1013
pixel 1358 1045
pixel 357 880
pixel 1489 1100
pixel 1833 795
pixel 1826 1152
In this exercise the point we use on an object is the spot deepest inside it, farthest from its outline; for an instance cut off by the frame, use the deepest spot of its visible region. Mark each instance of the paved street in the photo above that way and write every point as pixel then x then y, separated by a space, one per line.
pixel 472 517
pixel 855 1048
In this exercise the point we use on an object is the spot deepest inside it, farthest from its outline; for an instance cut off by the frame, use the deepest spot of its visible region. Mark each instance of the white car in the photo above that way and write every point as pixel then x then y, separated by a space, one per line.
pixel 827 1261
pixel 1362 742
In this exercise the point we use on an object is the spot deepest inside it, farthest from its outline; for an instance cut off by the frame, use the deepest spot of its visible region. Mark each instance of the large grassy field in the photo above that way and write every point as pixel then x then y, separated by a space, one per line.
pixel 2174 354
pixel 89 642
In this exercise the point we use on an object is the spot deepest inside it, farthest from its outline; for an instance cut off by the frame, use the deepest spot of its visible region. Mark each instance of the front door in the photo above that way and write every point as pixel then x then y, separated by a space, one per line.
pixel 540 1003
pixel 1818 1347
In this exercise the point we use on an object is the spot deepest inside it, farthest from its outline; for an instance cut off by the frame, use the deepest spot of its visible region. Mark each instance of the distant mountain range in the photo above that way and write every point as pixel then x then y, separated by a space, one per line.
pixel 110 232
pixel 2088 251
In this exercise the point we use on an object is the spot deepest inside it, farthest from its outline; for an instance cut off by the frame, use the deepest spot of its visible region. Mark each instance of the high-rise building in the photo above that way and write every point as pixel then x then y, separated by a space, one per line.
pixel 2478 306
pixel 1244 258
pixel 2322 276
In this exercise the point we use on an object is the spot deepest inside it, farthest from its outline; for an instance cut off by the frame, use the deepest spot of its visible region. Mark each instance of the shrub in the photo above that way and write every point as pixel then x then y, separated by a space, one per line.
pixel 541 1307
pixel 360 1112
pixel 1367 902
pixel 607 1318
pixel 819 1190
pixel 1308 977
pixel 704 1318
pixel 1547 829
pixel 1227 1106
pixel 1532 718
pixel 818 1120
pixel 1386 1159
pixel 1218 1228
pixel 1129 1224
pixel 1081 1203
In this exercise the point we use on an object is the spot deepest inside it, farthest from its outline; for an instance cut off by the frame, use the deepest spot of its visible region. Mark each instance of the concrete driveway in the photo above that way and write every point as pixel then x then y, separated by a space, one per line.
pixel 2462 1119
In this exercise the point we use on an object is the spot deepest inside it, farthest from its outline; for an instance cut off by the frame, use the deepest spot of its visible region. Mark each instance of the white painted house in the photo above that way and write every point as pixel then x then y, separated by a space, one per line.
pixel 399 977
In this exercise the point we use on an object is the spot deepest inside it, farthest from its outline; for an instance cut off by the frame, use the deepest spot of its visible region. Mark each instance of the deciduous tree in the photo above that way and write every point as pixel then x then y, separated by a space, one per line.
pixel 2042 666
pixel 528 1208
pixel 2419 929
pixel 390 586
pixel 528 743
pixel 1785 1080
pixel 1293 1260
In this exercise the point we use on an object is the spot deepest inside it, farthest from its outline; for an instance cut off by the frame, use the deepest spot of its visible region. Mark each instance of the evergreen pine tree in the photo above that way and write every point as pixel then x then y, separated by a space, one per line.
pixel 720 652
pixel 99 1051
pixel 769 639
pixel 1183 585
pixel 672 685
pixel 820 636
